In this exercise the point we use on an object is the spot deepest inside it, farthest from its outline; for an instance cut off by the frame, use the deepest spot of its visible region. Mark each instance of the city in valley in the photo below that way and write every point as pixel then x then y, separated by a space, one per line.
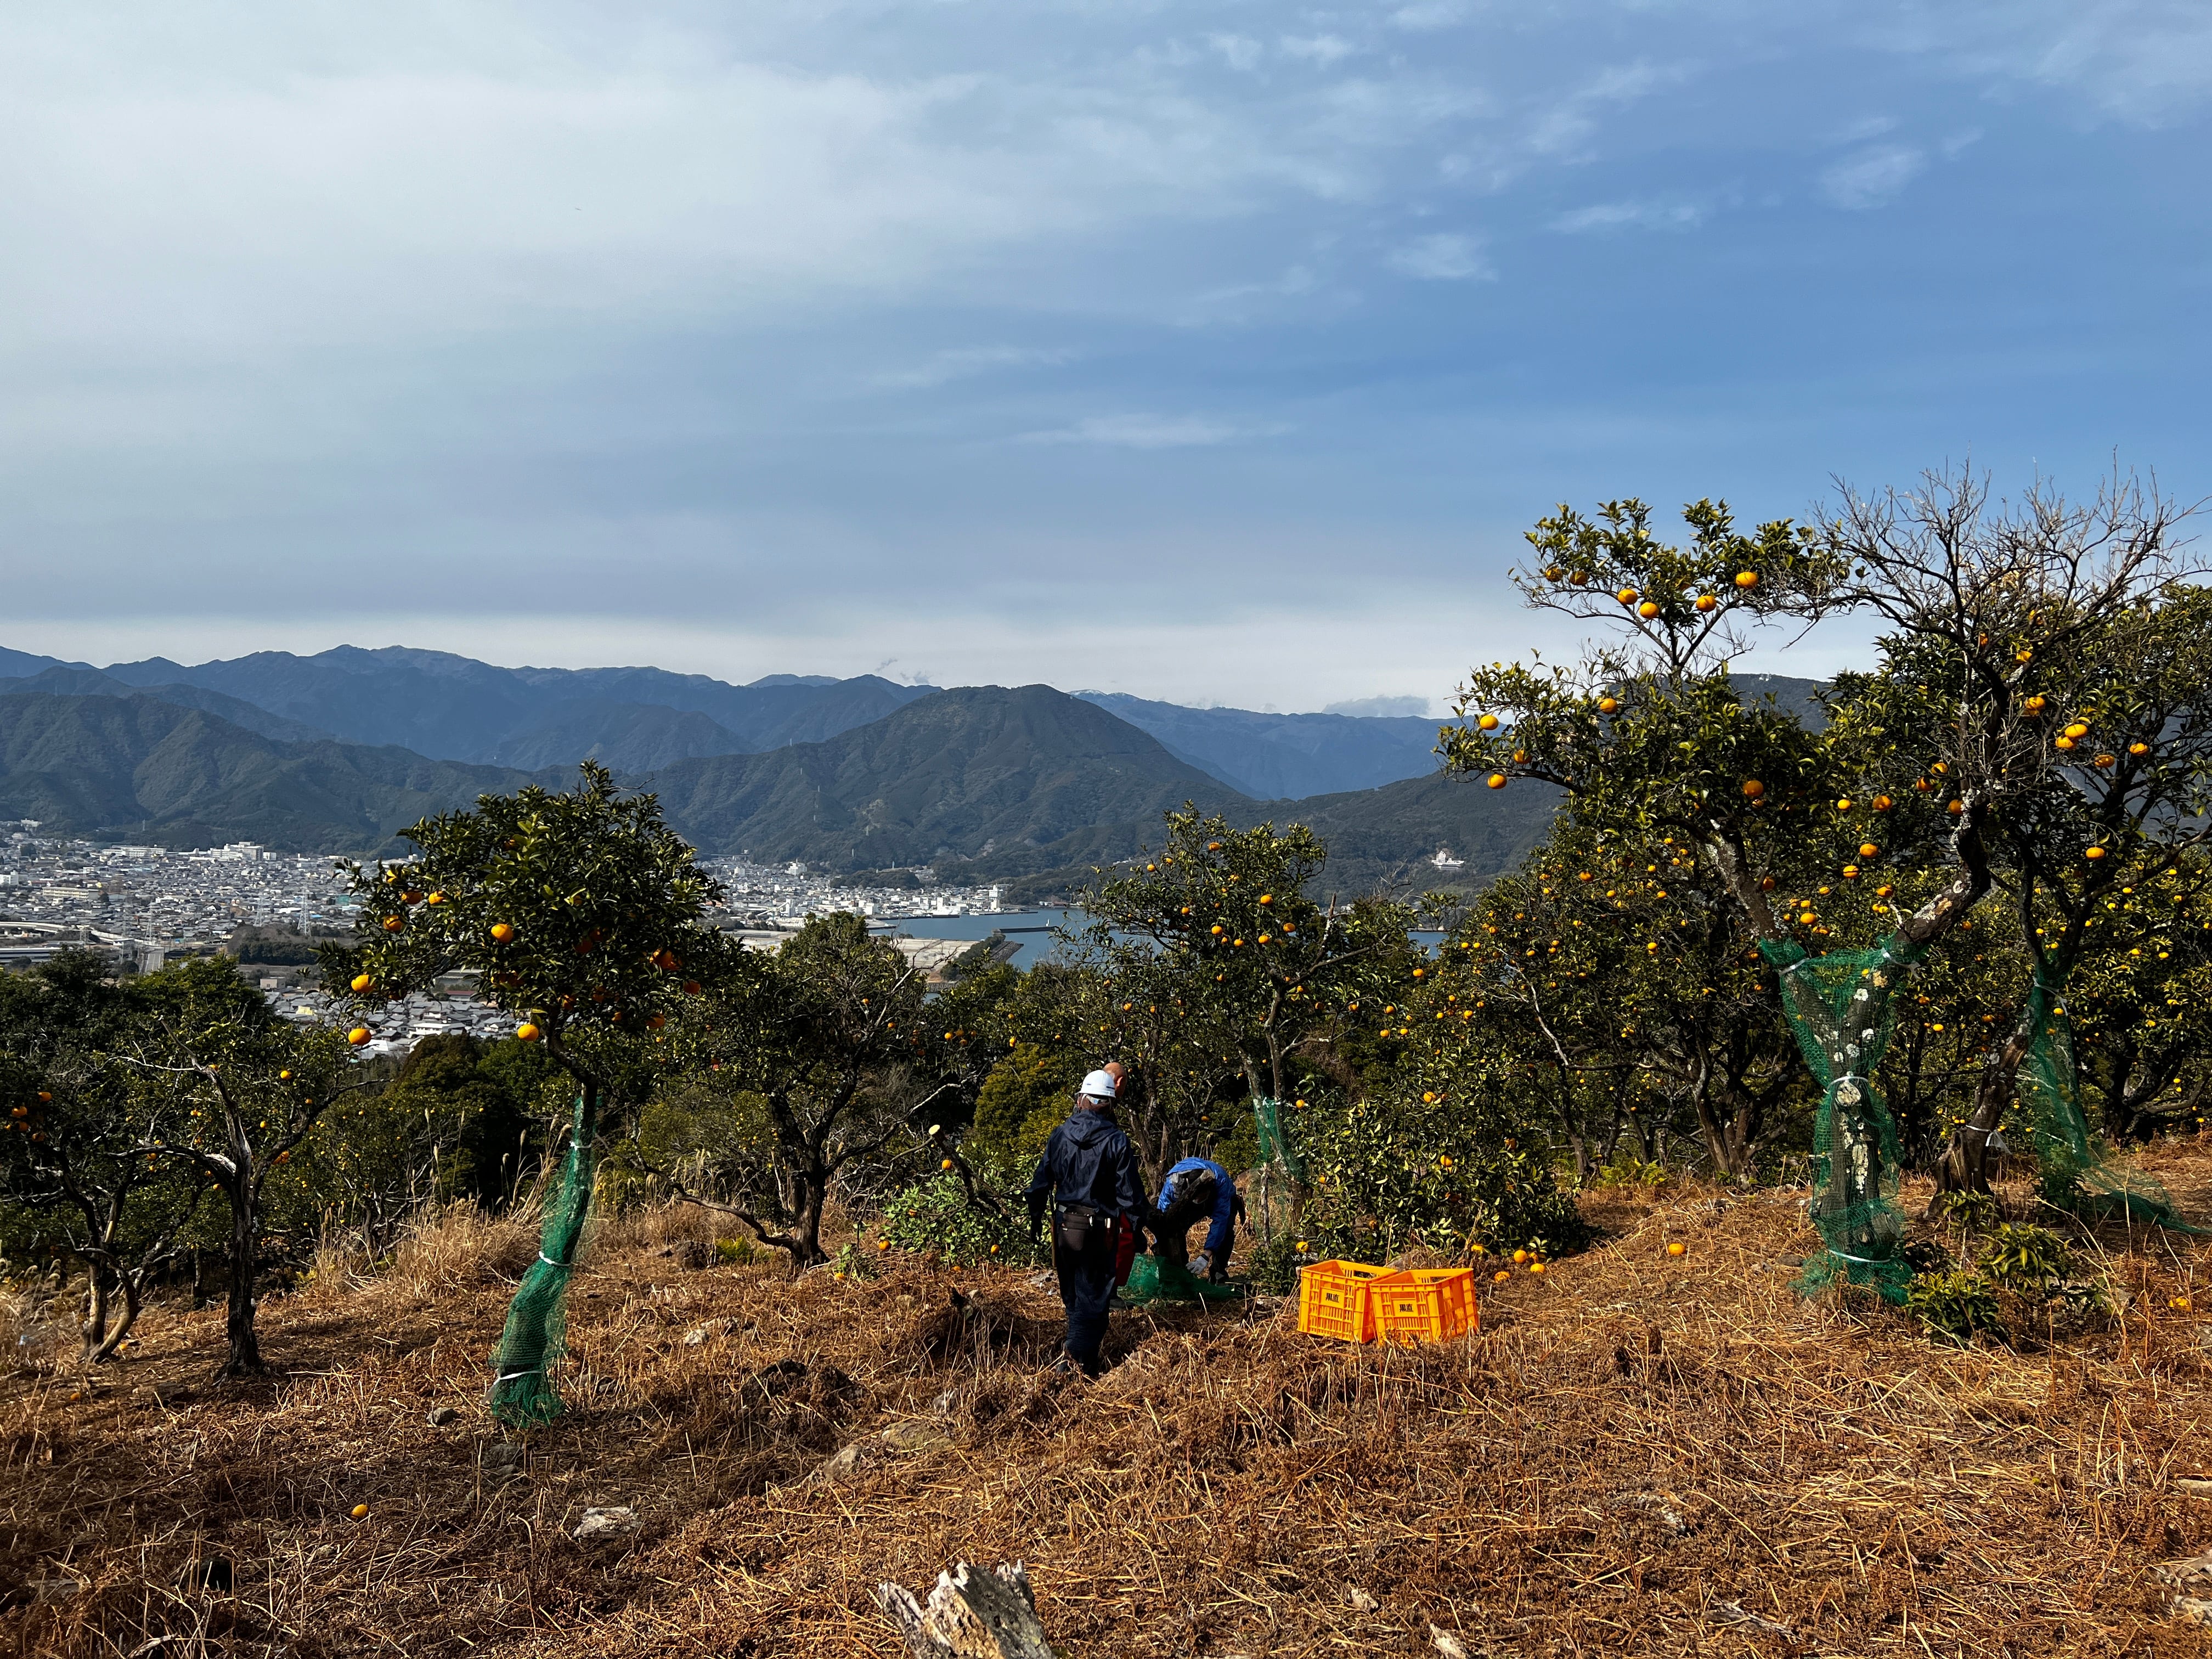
pixel 144 907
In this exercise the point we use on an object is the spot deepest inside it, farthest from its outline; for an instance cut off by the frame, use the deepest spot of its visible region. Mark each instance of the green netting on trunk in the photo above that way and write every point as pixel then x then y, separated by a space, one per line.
pixel 521 1391
pixel 1275 1146
pixel 1155 1279
pixel 1839 1009
pixel 2078 1173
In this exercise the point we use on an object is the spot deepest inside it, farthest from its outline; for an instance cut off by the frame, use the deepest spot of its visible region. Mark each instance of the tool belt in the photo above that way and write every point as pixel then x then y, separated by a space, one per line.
pixel 1077 1224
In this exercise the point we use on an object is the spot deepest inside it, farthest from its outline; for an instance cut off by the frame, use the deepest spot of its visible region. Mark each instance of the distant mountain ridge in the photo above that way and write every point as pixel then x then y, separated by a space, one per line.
pixel 1285 756
pixel 986 783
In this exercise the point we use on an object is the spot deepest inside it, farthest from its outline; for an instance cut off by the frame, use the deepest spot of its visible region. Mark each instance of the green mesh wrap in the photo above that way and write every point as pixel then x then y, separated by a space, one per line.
pixel 1153 1279
pixel 1275 1147
pixel 521 1392
pixel 1839 1009
pixel 2078 1173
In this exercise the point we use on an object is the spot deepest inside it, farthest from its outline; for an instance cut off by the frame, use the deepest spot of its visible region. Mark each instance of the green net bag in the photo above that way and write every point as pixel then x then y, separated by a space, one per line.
pixel 1155 1279
pixel 1838 1009
pixel 1275 1149
pixel 2077 1173
pixel 521 1392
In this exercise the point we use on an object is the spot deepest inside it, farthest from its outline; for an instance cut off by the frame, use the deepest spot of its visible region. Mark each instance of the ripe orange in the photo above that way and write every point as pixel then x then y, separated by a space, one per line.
pixel 1747 578
pixel 1607 705
pixel 1520 1255
pixel 1954 808
pixel 1500 1276
pixel 1851 872
pixel 2105 760
pixel 1845 805
pixel 1535 1266
pixel 526 1031
pixel 945 1165
pixel 436 898
pixel 2178 1304
pixel 2138 749
pixel 1706 601
pixel 359 1035
pixel 1487 722
pixel 393 924
pixel 1753 788
pixel 2078 729
pixel 1881 803
pixel 362 983
pixel 1495 780
pixel 1647 609
pixel 1626 596
pixel 1868 849
pixel 2094 853
pixel 502 931
pixel 2033 705
pixel 2023 656
pixel 2062 743
pixel 1677 1248
pixel 359 1511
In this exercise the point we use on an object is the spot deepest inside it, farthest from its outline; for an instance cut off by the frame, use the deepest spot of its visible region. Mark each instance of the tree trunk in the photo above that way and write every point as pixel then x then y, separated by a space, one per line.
pixel 1963 1167
pixel 806 1235
pixel 93 1326
pixel 132 1285
pixel 244 1359
pixel 973 1613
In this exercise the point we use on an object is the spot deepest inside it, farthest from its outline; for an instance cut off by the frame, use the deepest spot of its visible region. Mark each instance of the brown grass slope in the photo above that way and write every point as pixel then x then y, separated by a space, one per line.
pixel 1638 1455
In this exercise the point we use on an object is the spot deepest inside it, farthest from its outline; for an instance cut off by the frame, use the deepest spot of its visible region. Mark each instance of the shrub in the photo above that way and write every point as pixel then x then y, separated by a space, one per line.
pixel 936 1217
pixel 2029 1260
pixel 1955 1305
pixel 1971 1212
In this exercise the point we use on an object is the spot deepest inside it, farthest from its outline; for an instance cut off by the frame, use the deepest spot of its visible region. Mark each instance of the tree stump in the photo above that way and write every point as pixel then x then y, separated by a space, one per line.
pixel 973 1613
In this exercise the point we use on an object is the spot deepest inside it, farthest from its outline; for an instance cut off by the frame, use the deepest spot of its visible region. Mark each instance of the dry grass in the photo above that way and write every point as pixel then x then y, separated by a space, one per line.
pixel 1638 1454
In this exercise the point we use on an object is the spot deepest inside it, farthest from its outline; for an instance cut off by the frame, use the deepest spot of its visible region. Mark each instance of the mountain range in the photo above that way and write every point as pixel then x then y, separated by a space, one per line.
pixel 1030 786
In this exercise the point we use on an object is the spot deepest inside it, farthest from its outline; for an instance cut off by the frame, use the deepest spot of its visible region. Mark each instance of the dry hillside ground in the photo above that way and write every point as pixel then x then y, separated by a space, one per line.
pixel 1638 1454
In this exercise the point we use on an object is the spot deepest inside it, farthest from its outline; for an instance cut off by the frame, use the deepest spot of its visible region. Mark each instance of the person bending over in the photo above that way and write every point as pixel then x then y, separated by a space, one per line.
pixel 1196 1189
pixel 1088 1174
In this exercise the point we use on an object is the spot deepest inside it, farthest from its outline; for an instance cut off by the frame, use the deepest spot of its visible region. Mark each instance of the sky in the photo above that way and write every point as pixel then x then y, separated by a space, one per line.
pixel 1218 351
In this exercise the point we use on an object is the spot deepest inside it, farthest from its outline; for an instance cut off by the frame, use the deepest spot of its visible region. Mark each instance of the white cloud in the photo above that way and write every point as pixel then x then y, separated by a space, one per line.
pixel 1632 216
pixel 1156 432
pixel 1872 177
pixel 1322 49
pixel 965 362
pixel 1445 258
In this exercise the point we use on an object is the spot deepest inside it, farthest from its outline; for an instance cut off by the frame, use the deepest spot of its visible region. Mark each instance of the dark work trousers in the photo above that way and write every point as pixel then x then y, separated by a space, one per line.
pixel 1086 1285
pixel 1171 1231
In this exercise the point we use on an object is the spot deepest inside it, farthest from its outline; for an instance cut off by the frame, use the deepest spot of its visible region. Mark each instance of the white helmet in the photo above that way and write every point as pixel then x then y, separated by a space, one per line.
pixel 1099 1085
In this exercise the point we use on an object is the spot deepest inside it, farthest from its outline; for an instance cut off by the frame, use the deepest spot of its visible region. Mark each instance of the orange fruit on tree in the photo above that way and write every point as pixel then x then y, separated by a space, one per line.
pixel 393 924
pixel 502 931
pixel 2062 743
pixel 1843 805
pixel 945 1165
pixel 1647 609
pixel 1706 602
pixel 1868 849
pixel 1487 722
pixel 1626 596
pixel 361 983
pixel 1851 872
pixel 1607 705
pixel 1954 808
pixel 359 1035
pixel 1881 803
pixel 2033 705
pixel 2138 749
pixel 1747 578
pixel 1753 788
pixel 2105 760
pixel 526 1031
pixel 2094 853
pixel 1495 780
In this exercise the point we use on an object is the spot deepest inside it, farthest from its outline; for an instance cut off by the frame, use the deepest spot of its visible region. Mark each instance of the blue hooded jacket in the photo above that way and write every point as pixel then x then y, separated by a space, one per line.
pixel 1087 1160
pixel 1224 1198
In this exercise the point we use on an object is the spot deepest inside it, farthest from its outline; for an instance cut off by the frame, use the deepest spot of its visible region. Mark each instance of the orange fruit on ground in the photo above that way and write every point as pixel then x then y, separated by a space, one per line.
pixel 526 1031
pixel 2179 1303
pixel 1520 1255
pixel 359 1511
pixel 502 931
pixel 1535 1266
pixel 1677 1248
pixel 946 1164
pixel 359 1035
pixel 1500 1276
pixel 1747 578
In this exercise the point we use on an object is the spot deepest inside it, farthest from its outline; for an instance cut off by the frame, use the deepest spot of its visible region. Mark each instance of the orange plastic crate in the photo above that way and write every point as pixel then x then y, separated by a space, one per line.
pixel 1333 1300
pixel 1424 1304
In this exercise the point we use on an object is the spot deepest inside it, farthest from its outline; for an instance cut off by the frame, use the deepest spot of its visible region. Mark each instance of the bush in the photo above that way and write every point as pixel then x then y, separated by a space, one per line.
pixel 1418 1168
pixel 935 1216
pixel 1955 1305
pixel 2029 1260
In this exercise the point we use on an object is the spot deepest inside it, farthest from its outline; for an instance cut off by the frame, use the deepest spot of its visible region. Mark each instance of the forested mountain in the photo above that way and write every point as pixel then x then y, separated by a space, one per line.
pixel 65 681
pixel 1279 756
pixel 454 707
pixel 138 769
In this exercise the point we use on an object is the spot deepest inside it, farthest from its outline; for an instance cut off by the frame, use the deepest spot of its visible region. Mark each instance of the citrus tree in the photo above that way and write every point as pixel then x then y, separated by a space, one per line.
pixel 808 1066
pixel 1215 962
pixel 583 916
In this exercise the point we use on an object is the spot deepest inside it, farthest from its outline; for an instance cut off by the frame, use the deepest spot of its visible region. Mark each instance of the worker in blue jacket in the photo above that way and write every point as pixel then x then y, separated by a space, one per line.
pixel 1196 1189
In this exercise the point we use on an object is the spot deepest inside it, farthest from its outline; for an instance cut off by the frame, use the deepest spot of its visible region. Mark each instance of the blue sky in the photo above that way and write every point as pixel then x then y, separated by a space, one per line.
pixel 1211 351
